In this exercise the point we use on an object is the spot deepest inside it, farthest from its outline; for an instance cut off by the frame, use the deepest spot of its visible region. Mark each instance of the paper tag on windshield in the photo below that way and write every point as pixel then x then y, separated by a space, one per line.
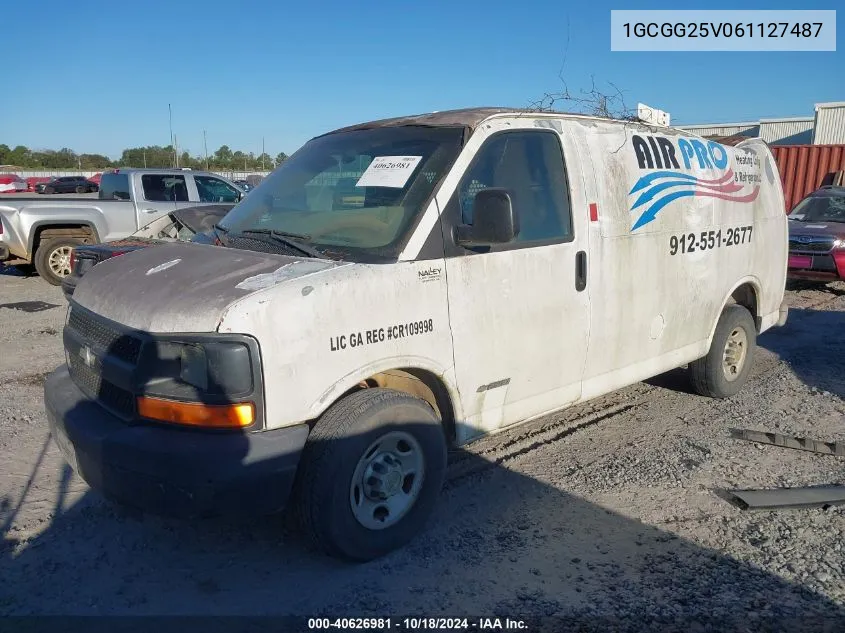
pixel 389 171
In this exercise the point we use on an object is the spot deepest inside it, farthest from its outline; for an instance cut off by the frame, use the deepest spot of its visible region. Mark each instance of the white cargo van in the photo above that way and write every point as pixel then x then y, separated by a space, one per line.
pixel 405 285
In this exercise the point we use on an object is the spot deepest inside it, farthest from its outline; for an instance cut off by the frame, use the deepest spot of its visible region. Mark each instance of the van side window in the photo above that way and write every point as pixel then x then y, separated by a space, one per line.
pixel 530 166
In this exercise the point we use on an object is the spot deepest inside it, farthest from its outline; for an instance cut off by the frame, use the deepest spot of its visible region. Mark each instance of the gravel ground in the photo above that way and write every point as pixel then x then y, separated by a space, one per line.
pixel 614 509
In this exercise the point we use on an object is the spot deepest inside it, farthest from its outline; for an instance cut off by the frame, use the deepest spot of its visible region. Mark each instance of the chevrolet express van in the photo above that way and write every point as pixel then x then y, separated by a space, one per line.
pixel 406 285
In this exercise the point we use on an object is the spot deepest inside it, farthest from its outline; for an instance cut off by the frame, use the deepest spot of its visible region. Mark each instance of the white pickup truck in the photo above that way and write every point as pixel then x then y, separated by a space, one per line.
pixel 44 232
pixel 403 286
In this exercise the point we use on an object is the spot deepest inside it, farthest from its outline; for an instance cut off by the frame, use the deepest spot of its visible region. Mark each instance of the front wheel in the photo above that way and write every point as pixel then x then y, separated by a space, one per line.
pixel 370 474
pixel 52 259
pixel 725 369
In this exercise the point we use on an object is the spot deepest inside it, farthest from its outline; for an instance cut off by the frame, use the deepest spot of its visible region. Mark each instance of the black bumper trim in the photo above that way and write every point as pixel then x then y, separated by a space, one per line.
pixel 167 470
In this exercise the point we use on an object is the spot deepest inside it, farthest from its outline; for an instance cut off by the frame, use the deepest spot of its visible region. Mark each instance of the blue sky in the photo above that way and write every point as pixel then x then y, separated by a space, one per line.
pixel 98 77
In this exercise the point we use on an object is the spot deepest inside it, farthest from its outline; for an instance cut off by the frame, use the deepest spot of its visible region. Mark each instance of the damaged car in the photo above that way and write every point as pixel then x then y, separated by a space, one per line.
pixel 817 237
pixel 188 224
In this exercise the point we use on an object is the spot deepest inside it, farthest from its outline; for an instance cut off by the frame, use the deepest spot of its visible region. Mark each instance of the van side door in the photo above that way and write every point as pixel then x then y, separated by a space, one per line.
pixel 519 311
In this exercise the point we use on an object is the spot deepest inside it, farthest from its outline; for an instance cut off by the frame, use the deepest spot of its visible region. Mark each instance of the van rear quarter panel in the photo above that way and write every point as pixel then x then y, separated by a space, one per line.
pixel 652 310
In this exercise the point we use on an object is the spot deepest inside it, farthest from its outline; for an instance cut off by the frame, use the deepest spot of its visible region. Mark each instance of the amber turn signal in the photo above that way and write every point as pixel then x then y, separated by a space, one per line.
pixel 218 416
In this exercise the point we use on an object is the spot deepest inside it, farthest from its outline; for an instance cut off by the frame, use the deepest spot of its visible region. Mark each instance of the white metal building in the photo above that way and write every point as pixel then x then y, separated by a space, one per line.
pixel 792 131
pixel 826 127
pixel 829 124
pixel 750 128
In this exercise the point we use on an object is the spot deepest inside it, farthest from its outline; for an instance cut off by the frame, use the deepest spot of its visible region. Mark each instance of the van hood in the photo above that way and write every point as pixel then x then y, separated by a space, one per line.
pixel 184 287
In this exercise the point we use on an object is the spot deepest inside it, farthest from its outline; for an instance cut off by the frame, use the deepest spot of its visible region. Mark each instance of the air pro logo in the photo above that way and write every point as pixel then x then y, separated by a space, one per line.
pixel 714 173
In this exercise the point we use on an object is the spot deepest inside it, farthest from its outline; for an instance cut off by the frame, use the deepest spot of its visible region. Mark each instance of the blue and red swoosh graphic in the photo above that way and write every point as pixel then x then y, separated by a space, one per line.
pixel 662 187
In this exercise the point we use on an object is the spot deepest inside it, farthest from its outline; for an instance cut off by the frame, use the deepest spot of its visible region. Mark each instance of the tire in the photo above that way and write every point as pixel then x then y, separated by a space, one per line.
pixel 49 260
pixel 49 190
pixel 334 495
pixel 718 375
pixel 81 189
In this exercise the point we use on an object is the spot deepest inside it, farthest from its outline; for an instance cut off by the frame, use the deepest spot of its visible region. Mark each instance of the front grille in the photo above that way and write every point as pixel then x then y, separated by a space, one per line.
pixel 92 383
pixel 813 245
pixel 104 337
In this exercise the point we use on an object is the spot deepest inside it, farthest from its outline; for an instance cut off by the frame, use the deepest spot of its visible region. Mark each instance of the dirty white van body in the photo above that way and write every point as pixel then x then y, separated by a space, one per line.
pixel 472 270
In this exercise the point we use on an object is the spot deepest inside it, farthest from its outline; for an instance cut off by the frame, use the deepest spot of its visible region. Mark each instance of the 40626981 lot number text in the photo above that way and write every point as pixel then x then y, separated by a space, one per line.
pixel 708 240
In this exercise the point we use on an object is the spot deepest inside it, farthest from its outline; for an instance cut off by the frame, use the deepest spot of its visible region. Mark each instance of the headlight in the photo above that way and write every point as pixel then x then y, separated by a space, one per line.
pixel 839 243
pixel 204 380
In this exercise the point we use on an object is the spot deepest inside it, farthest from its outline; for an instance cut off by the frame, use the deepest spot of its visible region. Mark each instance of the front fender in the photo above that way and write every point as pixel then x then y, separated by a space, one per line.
pixel 446 376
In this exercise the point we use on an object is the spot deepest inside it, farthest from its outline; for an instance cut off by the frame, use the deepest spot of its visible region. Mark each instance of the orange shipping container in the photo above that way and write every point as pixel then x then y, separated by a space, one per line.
pixel 805 168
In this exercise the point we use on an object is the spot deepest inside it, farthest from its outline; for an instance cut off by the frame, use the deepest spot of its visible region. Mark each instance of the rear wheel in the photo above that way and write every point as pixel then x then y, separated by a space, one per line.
pixel 81 189
pixel 52 259
pixel 724 371
pixel 370 474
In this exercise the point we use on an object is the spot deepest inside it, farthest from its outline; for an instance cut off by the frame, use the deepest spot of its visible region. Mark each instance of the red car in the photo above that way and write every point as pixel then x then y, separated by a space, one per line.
pixel 817 236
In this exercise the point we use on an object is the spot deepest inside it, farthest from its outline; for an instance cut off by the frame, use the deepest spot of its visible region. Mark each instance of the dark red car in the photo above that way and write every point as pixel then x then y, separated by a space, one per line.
pixel 817 236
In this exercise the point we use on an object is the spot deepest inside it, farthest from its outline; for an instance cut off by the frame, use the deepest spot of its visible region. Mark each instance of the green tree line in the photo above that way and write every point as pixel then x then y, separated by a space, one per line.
pixel 151 156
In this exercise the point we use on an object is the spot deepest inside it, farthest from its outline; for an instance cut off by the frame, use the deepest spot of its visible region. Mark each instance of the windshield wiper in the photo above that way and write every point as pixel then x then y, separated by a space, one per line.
pixel 292 240
pixel 222 229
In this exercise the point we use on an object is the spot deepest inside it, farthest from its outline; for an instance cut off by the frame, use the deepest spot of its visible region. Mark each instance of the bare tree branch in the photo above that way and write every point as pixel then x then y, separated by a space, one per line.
pixel 608 103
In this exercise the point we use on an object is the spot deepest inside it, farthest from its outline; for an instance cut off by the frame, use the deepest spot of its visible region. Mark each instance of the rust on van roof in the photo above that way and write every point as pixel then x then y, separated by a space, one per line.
pixel 466 117
pixel 469 118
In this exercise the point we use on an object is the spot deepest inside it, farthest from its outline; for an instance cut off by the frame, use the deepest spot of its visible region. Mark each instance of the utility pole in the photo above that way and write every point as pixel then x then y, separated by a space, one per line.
pixel 145 158
pixel 205 146
pixel 176 151
pixel 172 141
pixel 262 153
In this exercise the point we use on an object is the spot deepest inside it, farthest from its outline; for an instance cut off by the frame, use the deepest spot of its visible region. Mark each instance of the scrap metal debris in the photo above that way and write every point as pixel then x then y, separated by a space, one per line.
pixel 786 441
pixel 29 306
pixel 785 498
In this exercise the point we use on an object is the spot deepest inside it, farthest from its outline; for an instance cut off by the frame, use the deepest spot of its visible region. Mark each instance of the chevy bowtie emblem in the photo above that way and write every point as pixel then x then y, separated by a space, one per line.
pixel 87 356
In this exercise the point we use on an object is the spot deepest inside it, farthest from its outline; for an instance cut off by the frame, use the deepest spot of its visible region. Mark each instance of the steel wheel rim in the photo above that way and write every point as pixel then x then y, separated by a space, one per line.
pixel 736 351
pixel 59 261
pixel 387 480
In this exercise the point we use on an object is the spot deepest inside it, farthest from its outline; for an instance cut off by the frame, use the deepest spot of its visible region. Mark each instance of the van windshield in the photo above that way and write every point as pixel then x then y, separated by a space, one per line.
pixel 358 193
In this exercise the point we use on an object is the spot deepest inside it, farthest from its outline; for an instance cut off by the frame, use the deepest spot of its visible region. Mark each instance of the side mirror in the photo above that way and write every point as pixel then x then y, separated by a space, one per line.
pixel 493 220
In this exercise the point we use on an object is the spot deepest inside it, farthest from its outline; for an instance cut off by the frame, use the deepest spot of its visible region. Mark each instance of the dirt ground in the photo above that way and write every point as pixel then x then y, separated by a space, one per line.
pixel 612 509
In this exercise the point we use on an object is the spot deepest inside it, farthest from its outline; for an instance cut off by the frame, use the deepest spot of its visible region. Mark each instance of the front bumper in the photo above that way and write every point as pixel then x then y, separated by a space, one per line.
pixel 171 471
pixel 829 266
